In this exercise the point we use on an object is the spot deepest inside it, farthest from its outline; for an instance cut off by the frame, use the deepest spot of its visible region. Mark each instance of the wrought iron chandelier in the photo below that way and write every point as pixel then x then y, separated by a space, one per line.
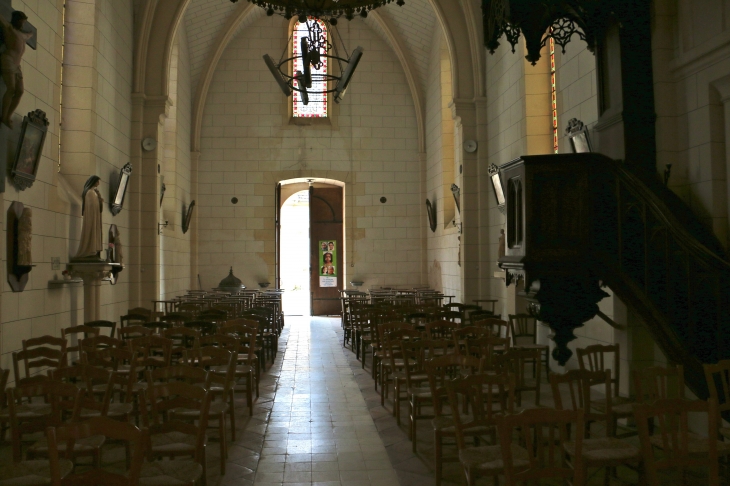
pixel 321 9
pixel 315 49
pixel 538 20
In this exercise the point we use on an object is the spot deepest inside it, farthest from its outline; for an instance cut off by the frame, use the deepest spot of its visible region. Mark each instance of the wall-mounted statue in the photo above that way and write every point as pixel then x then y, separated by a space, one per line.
pixel 91 243
pixel 15 40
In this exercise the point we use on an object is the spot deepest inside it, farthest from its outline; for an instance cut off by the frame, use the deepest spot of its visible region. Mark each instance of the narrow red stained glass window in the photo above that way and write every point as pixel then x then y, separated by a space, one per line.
pixel 554 95
pixel 317 107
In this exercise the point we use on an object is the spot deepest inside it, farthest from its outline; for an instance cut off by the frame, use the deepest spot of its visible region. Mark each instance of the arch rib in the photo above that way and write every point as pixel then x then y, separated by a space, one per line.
pixel 400 52
pixel 243 11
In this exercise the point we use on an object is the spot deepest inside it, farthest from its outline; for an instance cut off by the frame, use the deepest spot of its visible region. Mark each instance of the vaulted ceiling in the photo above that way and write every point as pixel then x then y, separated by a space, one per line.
pixel 410 26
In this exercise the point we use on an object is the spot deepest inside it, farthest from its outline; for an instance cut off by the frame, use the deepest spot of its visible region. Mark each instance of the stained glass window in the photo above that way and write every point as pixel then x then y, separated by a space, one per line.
pixel 554 96
pixel 317 106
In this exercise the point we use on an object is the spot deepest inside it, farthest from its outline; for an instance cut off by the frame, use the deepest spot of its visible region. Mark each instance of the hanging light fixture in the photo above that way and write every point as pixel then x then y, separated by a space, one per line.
pixel 315 49
pixel 321 9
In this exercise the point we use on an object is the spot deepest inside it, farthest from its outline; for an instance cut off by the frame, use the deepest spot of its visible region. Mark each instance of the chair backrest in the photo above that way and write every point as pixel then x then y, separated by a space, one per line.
pixel 441 329
pixel 65 401
pixel 206 356
pixel 134 319
pixel 246 336
pixel 599 357
pixel 74 335
pixel 579 384
pixel 38 354
pixel 484 397
pixel 542 433
pixel 442 369
pixel 158 400
pixel 673 437
pixel 152 351
pixel 487 347
pixel 225 341
pixel 385 329
pixel 182 338
pixel 203 327
pixel 469 332
pixel 141 311
pixel 522 329
pixel 112 429
pixel 176 318
pixel 718 383
pixel 133 332
pixel 84 377
pixel 101 324
pixel 158 326
pixel 193 375
pixel 659 383
pixel 497 327
pixel 515 361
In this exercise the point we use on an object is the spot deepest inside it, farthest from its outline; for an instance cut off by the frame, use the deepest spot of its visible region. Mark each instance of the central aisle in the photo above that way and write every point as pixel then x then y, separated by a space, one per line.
pixel 320 430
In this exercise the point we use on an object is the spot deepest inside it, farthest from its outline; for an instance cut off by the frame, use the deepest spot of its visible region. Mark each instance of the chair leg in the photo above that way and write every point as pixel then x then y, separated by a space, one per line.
pixel 232 414
pixel 412 405
pixel 437 455
pixel 222 434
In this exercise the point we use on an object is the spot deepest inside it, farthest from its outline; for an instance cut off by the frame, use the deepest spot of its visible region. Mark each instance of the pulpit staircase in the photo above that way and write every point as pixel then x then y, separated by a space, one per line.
pixel 656 256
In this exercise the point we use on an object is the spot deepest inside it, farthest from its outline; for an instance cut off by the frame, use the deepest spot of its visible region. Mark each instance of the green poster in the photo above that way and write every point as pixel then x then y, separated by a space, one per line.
pixel 327 258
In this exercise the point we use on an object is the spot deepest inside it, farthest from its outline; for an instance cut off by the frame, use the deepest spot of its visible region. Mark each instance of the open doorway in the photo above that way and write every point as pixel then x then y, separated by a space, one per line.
pixel 295 254
pixel 310 235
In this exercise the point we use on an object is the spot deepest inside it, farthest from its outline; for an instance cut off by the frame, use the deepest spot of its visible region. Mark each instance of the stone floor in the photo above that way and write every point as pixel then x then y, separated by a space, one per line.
pixel 318 421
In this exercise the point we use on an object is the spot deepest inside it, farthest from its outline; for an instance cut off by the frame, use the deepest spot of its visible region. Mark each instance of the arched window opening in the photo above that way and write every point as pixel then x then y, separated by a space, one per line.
pixel 314 103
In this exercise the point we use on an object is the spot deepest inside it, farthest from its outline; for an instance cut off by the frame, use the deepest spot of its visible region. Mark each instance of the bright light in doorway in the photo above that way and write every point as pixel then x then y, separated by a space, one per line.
pixel 295 254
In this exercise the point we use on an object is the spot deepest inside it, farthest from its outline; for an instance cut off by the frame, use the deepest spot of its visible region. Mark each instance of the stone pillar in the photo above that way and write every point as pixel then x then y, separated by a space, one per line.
pixel 92 274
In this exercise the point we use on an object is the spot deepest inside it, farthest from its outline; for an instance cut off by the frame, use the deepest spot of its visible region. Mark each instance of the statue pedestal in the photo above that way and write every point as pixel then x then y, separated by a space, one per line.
pixel 92 273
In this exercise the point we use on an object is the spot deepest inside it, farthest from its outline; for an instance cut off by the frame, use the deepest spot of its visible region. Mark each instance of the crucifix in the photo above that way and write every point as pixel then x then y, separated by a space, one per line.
pixel 16 34
pixel 29 36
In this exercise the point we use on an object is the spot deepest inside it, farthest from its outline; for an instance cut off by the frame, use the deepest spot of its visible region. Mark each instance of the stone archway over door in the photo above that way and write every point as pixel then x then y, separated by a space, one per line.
pixel 326 224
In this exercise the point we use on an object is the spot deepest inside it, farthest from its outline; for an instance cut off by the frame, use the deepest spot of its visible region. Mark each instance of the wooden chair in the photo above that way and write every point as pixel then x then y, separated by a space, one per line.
pixel 441 329
pixel 147 313
pixel 596 358
pixel 543 435
pixel 224 341
pixel 485 396
pixel 469 332
pixel 73 336
pixel 396 343
pixel 101 324
pixel 418 390
pixel 176 318
pixel 65 400
pixel 203 327
pixel 497 327
pixel 184 441
pixel 718 383
pixel 134 319
pixel 222 365
pixel 158 327
pixel 129 333
pixel 385 369
pixel 609 451
pixel 680 448
pixel 73 434
pixel 38 354
pixel 514 361
pixel 33 472
pixel 247 365
pixel 440 370
pixel 488 347
pixel 183 338
pixel 523 331
pixel 151 351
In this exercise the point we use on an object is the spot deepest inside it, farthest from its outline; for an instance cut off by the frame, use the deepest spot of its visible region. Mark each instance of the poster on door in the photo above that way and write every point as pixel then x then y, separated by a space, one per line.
pixel 327 263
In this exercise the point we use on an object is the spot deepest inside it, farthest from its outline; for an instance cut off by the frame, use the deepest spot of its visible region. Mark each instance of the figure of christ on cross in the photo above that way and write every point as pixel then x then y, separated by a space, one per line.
pixel 15 40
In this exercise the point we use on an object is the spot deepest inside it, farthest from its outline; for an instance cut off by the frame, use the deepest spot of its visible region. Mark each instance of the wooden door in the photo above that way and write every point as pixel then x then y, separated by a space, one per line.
pixel 277 223
pixel 326 242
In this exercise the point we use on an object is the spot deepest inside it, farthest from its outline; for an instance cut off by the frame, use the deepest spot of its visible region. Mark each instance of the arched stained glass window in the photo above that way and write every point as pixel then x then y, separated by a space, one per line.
pixel 317 93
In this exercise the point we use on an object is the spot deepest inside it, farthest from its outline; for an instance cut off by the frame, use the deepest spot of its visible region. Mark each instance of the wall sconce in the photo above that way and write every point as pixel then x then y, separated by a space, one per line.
pixel 497 186
pixel 160 227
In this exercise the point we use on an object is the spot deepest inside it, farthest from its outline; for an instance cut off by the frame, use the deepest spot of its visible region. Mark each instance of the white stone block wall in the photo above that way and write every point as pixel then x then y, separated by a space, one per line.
pixel 248 145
